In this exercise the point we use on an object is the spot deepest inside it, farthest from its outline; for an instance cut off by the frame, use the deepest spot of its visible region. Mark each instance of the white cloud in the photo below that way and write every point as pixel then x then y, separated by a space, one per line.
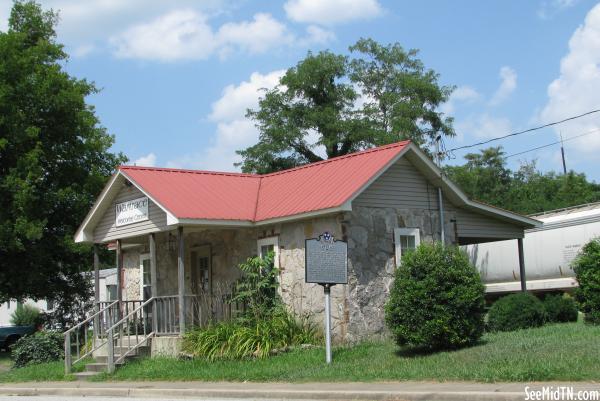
pixel 549 8
pixel 186 35
pixel 331 12
pixel 507 86
pixel 178 35
pixel 318 35
pixel 147 161
pixel 234 131
pixel 236 99
pixel 165 31
pixel 462 94
pixel 575 91
pixel 484 126
pixel 257 36
pixel 90 23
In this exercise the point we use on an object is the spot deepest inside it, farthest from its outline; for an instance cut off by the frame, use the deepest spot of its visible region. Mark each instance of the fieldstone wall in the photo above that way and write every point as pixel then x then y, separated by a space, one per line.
pixel 308 299
pixel 228 249
pixel 371 253
pixel 131 274
pixel 357 308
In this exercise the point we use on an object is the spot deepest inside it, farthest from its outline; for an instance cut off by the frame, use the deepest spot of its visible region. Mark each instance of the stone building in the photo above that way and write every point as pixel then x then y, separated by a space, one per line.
pixel 180 234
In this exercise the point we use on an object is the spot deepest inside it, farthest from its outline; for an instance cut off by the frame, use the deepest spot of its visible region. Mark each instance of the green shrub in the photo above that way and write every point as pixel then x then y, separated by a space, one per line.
pixel 516 311
pixel 241 338
pixel 257 287
pixel 587 271
pixel 436 300
pixel 265 326
pixel 560 308
pixel 43 346
pixel 26 315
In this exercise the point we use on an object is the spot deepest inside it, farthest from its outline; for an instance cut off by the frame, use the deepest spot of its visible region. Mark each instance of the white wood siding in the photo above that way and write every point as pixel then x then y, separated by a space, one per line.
pixel 403 186
pixel 106 230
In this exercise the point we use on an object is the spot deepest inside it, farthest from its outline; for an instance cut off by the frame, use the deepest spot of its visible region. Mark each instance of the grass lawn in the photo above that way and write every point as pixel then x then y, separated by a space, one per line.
pixel 568 352
pixel 5 362
pixel 555 352
pixel 53 371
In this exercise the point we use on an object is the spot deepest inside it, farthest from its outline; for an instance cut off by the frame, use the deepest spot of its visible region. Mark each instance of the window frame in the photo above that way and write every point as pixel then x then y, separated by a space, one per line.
pixel 404 232
pixel 143 257
pixel 201 250
pixel 274 240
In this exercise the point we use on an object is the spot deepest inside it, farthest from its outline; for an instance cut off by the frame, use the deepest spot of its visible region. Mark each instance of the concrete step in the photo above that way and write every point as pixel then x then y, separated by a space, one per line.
pixel 137 353
pixel 83 376
pixel 96 367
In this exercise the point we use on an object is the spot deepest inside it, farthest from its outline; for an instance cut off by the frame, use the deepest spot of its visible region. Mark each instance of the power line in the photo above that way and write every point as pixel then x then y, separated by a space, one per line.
pixel 525 131
pixel 554 143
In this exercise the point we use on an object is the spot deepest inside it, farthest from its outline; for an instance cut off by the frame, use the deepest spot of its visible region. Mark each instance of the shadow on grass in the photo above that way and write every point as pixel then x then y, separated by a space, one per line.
pixel 415 352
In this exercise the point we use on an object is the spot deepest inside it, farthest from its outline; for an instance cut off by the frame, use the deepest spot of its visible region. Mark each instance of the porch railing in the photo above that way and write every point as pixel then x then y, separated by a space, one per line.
pixel 124 327
pixel 200 311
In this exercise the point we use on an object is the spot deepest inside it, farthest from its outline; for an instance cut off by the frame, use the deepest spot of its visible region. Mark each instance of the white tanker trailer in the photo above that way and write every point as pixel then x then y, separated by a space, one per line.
pixel 548 250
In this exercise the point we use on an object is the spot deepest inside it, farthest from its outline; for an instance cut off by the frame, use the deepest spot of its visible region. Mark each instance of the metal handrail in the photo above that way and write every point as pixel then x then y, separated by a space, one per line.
pixel 67 335
pixel 89 319
pixel 111 360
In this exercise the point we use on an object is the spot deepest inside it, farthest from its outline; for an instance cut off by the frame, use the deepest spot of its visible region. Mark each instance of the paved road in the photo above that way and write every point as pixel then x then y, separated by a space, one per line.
pixel 61 398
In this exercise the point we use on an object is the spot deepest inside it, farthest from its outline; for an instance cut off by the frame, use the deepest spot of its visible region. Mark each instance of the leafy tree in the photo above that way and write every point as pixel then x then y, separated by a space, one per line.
pixel 54 160
pixel 486 177
pixel 382 95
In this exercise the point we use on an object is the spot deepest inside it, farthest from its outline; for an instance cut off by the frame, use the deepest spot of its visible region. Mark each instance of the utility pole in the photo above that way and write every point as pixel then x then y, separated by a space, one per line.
pixel 438 158
pixel 562 152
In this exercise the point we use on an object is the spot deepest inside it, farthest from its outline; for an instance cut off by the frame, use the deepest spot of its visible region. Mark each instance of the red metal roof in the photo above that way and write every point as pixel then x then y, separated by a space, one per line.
pixel 195 194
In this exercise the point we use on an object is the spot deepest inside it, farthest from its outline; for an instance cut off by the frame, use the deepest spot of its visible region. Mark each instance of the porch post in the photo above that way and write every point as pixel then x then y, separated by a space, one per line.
pixel 181 281
pixel 96 290
pixel 154 290
pixel 119 278
pixel 522 265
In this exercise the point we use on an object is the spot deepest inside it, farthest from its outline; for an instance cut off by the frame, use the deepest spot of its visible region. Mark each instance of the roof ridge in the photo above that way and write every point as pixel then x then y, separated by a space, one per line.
pixel 189 171
pixel 346 156
pixel 260 176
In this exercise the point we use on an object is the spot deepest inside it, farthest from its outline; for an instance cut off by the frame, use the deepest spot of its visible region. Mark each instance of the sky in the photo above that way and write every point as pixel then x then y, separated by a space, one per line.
pixel 176 77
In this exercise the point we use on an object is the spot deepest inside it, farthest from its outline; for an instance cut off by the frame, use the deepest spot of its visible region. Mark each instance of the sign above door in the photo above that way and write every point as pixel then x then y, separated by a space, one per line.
pixel 132 211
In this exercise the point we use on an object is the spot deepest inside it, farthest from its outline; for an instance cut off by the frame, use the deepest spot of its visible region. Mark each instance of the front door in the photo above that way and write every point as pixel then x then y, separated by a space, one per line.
pixel 201 270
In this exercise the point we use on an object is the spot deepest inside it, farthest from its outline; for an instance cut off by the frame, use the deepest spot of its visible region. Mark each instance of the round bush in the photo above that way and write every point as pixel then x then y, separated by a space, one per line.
pixel 43 346
pixel 516 311
pixel 436 300
pixel 587 271
pixel 560 309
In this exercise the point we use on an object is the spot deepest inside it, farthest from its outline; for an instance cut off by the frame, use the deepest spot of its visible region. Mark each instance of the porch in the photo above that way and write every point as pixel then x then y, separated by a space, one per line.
pixel 167 283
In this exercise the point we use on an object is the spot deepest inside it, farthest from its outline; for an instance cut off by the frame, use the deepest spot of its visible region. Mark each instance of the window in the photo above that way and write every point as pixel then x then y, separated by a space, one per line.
pixel 146 278
pixel 201 270
pixel 269 244
pixel 111 292
pixel 405 239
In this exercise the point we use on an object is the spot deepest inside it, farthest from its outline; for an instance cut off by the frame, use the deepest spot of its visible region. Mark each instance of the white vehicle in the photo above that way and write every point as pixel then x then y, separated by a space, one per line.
pixel 549 251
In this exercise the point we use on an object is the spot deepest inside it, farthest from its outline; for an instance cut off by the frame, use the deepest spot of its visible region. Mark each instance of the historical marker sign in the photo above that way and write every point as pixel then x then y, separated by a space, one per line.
pixel 326 264
pixel 326 260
